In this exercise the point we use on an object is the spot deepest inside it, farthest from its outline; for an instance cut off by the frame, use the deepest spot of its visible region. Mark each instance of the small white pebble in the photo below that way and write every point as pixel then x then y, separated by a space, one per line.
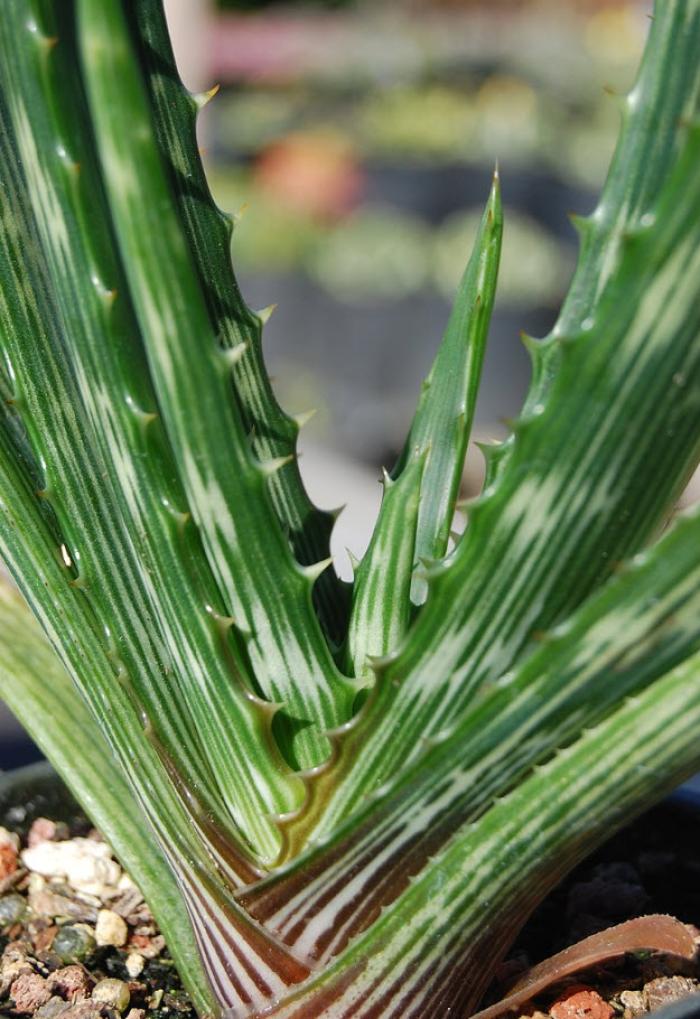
pixel 110 929
pixel 52 858
pixel 112 992
pixel 86 865
pixel 134 965
pixel 94 875
pixel 9 838
pixel 125 883
pixel 155 999
pixel 36 884
pixel 634 1001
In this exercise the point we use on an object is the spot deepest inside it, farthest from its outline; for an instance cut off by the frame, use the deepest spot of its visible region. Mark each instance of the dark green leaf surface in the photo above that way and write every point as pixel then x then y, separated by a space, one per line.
pixel 381 597
pixel 443 419
pixel 136 557
pixel 665 98
pixel 273 433
pixel 267 592
pixel 151 516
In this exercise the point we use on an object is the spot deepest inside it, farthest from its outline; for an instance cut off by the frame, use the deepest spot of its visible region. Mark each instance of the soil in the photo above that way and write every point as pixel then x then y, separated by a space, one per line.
pixel 78 943
pixel 55 962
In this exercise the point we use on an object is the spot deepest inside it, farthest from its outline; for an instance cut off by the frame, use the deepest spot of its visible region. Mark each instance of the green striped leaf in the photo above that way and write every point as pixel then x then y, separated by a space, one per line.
pixel 273 434
pixel 268 593
pixel 435 950
pixel 227 728
pixel 152 518
pixel 655 114
pixel 39 691
pixel 206 865
pixel 643 623
pixel 593 472
pixel 443 419
pixel 381 597
pixel 437 441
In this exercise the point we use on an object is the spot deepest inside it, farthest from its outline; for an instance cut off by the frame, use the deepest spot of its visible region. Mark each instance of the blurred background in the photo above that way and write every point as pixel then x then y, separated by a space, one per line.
pixel 357 139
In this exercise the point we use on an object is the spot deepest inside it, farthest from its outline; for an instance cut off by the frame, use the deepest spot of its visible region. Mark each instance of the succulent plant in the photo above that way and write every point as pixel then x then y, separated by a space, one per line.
pixel 339 800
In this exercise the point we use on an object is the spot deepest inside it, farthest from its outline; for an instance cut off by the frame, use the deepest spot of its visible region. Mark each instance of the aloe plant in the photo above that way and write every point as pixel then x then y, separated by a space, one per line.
pixel 339 800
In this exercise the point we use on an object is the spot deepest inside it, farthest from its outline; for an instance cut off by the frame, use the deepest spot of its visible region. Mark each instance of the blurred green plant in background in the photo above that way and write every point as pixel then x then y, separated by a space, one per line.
pixel 357 139
pixel 355 119
pixel 379 252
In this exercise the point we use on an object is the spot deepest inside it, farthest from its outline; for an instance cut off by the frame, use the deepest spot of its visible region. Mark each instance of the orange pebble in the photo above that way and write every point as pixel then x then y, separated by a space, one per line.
pixel 581 1003
pixel 8 859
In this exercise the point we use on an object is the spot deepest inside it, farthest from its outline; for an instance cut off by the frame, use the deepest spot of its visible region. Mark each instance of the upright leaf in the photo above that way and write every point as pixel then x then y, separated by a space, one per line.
pixel 443 419
pixel 381 597
pixel 273 433
pixel 81 323
pixel 268 593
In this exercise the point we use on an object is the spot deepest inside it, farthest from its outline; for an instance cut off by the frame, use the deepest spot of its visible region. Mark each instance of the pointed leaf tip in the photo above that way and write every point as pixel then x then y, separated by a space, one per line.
pixel 488 448
pixel 265 314
pixel 529 342
pixel 446 405
pixel 276 463
pixel 305 416
pixel 314 571
pixel 201 99
pixel 380 663
pixel 495 203
pixel 222 623
pixel 238 215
